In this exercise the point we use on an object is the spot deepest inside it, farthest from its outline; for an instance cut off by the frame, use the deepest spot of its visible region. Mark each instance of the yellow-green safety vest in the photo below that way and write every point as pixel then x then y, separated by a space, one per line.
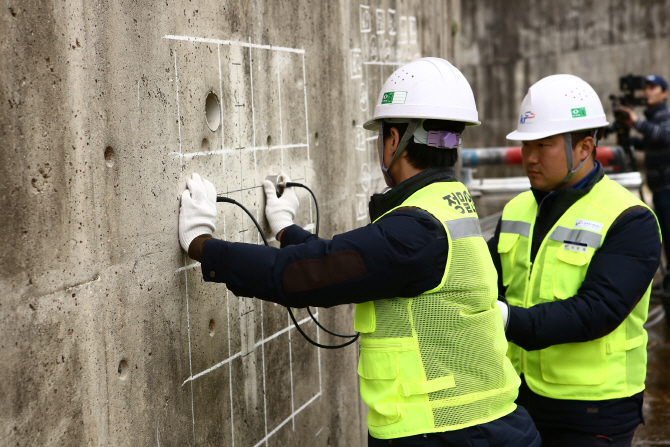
pixel 437 362
pixel 610 367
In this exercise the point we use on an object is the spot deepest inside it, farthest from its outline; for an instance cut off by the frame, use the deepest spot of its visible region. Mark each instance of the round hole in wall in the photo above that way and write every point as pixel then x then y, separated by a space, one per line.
pixel 212 327
pixel 316 139
pixel 123 369
pixel 269 140
pixel 353 123
pixel 212 112
pixel 109 156
pixel 205 144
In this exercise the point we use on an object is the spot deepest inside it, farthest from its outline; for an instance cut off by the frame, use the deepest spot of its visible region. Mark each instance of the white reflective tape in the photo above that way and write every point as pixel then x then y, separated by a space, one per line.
pixel 563 234
pixel 466 227
pixel 515 227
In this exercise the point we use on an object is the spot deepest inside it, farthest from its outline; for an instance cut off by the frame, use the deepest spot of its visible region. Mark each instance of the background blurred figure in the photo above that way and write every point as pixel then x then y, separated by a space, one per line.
pixel 655 141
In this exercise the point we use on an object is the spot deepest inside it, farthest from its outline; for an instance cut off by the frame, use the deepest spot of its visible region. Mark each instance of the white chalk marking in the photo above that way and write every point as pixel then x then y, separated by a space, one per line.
pixel 285 421
pixel 230 366
pixel 372 138
pixel 318 432
pixel 176 77
pixel 251 73
pixel 223 130
pixel 138 99
pixel 382 63
pixel 304 88
pixel 158 439
pixel 190 155
pixel 281 131
pixel 256 345
pixel 265 403
pixel 190 364
pixel 231 42
pixel 187 267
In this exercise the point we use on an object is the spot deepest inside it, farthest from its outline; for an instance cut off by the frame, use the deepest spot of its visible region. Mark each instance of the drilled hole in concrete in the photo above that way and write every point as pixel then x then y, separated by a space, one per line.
pixel 353 123
pixel 269 140
pixel 123 370
pixel 213 112
pixel 316 139
pixel 212 327
pixel 205 144
pixel 109 156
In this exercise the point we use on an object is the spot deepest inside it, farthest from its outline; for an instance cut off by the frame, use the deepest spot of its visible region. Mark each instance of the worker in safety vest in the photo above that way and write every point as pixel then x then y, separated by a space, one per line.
pixel 575 257
pixel 433 369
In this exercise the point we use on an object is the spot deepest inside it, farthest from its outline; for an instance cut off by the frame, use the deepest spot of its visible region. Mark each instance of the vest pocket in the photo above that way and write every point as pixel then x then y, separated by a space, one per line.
pixel 575 363
pixel 507 244
pixel 570 272
pixel 380 388
pixel 364 318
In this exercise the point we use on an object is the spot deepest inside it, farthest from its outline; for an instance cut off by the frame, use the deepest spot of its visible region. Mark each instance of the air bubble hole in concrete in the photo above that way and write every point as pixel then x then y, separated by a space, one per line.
pixel 212 327
pixel 123 370
pixel 316 139
pixel 109 156
pixel 269 140
pixel 213 112
pixel 205 144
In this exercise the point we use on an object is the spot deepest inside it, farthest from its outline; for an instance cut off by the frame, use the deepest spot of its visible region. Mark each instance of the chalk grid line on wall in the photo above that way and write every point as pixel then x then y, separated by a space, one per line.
pixel 269 432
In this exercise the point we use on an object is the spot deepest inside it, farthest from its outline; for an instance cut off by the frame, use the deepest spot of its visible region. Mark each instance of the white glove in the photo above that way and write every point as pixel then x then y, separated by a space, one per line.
pixel 280 211
pixel 504 310
pixel 197 214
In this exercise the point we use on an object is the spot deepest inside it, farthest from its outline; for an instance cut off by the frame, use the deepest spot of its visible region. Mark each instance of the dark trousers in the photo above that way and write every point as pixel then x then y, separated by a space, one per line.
pixel 516 429
pixel 563 438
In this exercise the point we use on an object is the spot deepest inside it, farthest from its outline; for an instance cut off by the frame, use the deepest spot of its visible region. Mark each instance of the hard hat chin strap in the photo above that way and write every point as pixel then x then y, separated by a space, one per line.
pixel 404 141
pixel 567 137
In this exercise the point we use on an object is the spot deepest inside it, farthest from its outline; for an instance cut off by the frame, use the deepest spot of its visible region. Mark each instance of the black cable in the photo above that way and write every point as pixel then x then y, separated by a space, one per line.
pixel 316 204
pixel 265 241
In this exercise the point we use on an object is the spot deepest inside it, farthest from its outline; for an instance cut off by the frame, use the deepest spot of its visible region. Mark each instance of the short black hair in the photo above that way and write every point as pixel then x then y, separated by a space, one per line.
pixel 422 156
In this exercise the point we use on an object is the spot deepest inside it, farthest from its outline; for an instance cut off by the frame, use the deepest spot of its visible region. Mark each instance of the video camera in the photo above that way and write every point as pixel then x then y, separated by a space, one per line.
pixel 628 86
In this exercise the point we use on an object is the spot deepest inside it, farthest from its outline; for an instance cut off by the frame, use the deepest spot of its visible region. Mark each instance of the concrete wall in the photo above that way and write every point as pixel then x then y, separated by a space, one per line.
pixel 108 335
pixel 508 46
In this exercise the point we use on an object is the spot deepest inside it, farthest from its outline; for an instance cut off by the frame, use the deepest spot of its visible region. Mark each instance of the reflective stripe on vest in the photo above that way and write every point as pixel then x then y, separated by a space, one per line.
pixel 437 362
pixel 610 367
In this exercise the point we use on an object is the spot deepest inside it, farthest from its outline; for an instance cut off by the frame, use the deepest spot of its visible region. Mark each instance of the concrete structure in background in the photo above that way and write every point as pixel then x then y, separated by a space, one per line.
pixel 508 46
pixel 108 335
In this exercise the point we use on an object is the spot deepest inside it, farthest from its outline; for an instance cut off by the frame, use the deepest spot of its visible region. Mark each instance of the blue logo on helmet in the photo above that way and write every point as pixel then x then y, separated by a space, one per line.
pixel 526 116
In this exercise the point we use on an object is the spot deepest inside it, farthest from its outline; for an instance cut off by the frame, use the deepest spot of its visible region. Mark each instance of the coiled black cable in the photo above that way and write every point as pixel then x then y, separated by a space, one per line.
pixel 353 337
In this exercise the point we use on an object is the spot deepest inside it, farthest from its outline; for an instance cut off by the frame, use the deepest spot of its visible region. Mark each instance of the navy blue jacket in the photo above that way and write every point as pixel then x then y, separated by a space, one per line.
pixel 656 146
pixel 401 255
pixel 617 277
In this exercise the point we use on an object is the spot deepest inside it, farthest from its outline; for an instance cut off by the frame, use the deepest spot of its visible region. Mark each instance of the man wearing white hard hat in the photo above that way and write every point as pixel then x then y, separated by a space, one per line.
pixel 575 257
pixel 433 369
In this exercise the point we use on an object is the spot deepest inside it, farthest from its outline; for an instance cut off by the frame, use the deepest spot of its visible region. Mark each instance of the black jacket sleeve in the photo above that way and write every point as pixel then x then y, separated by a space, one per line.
pixel 402 255
pixel 656 133
pixel 617 277
pixel 495 256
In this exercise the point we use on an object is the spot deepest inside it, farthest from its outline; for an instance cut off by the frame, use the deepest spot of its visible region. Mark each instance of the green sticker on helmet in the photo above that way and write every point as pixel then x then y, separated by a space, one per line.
pixel 579 112
pixel 394 98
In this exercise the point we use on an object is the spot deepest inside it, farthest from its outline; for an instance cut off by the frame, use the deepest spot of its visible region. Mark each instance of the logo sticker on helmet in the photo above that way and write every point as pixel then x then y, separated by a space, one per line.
pixel 394 98
pixel 526 116
pixel 579 112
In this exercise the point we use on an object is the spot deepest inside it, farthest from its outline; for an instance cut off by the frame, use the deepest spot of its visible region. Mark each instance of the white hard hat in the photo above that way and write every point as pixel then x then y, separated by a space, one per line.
pixel 428 88
pixel 558 104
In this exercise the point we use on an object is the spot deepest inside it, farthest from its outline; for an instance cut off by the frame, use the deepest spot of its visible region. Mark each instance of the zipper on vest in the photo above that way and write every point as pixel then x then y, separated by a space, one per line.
pixel 530 271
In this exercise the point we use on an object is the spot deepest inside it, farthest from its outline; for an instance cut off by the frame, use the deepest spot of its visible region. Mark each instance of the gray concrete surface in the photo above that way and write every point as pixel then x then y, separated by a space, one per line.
pixel 108 336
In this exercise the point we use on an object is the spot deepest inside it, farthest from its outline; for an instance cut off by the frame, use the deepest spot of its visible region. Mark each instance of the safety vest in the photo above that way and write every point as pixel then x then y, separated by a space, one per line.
pixel 437 362
pixel 613 366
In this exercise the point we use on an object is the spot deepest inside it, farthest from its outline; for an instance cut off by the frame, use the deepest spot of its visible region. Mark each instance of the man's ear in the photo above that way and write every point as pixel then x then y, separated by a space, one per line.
pixel 394 139
pixel 586 148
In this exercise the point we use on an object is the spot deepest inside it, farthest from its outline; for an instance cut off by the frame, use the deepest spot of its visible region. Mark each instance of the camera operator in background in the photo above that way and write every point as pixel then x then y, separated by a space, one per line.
pixel 655 141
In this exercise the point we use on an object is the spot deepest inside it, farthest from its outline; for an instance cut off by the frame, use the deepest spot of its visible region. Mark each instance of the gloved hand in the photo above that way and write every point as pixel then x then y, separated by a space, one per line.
pixel 197 214
pixel 280 211
pixel 504 310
